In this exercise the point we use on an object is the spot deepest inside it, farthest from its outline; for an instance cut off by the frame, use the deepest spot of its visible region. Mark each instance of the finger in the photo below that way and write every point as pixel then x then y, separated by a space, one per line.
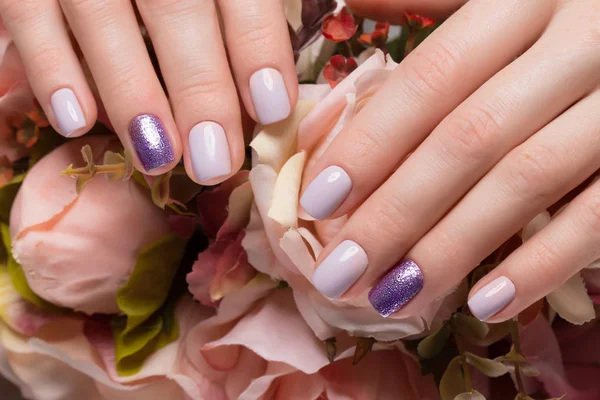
pixel 392 10
pixel 529 179
pixel 424 88
pixel 187 39
pixel 556 253
pixel 53 70
pixel 261 56
pixel 109 36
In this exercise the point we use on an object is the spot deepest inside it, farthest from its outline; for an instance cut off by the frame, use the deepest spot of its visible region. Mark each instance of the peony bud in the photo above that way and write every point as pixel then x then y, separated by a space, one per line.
pixel 77 250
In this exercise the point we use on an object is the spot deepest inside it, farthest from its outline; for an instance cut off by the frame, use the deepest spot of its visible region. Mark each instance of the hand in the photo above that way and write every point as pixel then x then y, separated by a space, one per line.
pixel 492 119
pixel 205 124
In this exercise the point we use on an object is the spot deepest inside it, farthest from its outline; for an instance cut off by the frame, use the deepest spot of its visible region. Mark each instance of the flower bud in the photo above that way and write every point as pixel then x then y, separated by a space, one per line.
pixel 77 250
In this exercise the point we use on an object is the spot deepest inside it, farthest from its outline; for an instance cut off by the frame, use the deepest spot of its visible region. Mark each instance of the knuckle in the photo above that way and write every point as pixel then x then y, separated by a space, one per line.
pixel 590 214
pixel 387 219
pixel 530 174
pixel 471 134
pixel 17 12
pixel 257 34
pixel 45 61
pixel 169 7
pixel 94 9
pixel 432 71
pixel 364 149
pixel 546 259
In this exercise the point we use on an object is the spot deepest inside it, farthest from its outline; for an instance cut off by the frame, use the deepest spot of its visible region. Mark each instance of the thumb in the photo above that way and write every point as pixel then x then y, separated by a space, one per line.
pixel 392 10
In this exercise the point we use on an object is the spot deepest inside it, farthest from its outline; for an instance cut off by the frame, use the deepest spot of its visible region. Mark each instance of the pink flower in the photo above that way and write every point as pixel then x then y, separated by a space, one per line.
pixel 258 346
pixel 77 250
pixel 282 245
pixel 223 268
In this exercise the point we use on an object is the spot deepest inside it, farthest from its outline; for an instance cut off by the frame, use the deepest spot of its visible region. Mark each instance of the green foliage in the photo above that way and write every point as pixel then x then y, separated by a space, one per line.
pixel 149 323
pixel 452 383
pixel 433 344
pixel 17 276
pixel 8 193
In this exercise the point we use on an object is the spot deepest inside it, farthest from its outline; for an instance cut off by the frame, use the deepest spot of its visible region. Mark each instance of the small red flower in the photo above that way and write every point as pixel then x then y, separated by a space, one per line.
pixel 378 37
pixel 416 21
pixel 338 68
pixel 340 27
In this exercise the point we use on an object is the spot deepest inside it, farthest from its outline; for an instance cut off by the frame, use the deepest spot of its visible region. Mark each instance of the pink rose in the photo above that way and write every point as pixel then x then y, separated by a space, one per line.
pixel 258 346
pixel 77 250
pixel 279 243
pixel 223 268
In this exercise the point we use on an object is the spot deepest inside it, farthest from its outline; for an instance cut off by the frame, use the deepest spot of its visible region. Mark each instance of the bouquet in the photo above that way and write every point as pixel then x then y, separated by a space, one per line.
pixel 117 285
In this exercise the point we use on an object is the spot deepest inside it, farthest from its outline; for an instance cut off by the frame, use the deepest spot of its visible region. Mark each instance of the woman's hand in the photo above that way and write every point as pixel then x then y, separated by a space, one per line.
pixel 205 122
pixel 491 120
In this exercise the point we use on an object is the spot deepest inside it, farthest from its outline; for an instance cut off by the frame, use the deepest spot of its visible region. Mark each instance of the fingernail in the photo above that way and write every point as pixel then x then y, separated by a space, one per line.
pixel 209 151
pixel 269 95
pixel 396 288
pixel 326 192
pixel 340 269
pixel 150 141
pixel 492 298
pixel 67 111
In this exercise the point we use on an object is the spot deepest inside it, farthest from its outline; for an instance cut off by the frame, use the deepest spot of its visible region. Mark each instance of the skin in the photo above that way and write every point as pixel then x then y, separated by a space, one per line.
pixel 488 122
pixel 191 51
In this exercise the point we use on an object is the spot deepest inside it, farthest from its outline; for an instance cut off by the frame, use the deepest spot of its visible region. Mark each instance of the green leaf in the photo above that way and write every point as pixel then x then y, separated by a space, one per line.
pixel 161 189
pixel 148 325
pixel 474 395
pixel 433 344
pixel 8 193
pixel 452 383
pixel 491 368
pixel 17 276
pixel 469 327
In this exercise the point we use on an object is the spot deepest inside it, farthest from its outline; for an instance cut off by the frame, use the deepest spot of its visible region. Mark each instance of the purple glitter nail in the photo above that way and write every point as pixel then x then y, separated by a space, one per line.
pixel 150 141
pixel 396 288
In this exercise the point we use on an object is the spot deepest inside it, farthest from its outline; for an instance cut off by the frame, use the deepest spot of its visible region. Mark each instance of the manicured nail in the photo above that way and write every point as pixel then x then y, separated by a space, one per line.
pixel 150 141
pixel 340 269
pixel 209 151
pixel 492 298
pixel 396 288
pixel 67 111
pixel 326 192
pixel 269 95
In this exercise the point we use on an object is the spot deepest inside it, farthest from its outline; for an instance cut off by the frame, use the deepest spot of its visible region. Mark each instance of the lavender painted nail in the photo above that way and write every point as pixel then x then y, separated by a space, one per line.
pixel 340 269
pixel 492 298
pixel 269 95
pixel 209 151
pixel 67 111
pixel 150 141
pixel 326 192
pixel 396 288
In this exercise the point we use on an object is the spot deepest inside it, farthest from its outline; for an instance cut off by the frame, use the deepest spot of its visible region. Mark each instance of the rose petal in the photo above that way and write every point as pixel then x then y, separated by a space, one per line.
pixel 572 302
pixel 276 143
pixel 323 117
pixel 284 203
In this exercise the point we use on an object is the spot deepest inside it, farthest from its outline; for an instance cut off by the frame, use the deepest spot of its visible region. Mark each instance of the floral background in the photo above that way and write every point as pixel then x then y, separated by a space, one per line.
pixel 116 285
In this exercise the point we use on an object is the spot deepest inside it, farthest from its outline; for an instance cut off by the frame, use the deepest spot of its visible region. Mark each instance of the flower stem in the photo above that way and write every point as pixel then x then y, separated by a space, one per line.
pixel 516 339
pixel 349 48
pixel 99 169
pixel 410 42
pixel 463 363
